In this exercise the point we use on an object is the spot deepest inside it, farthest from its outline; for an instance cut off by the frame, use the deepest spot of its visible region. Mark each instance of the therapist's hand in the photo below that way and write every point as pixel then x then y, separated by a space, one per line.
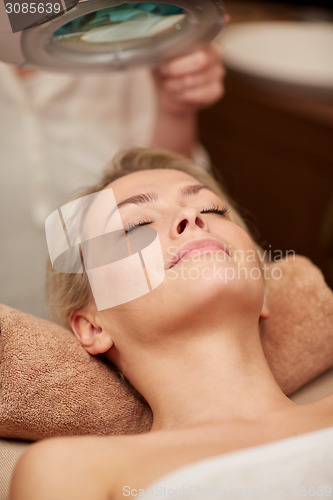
pixel 190 83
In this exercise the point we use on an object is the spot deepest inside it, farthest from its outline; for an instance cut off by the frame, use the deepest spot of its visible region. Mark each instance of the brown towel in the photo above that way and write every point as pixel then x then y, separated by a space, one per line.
pixel 298 335
pixel 50 386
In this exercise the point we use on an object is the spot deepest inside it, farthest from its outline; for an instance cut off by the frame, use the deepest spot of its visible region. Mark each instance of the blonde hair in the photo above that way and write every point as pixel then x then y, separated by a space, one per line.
pixel 67 293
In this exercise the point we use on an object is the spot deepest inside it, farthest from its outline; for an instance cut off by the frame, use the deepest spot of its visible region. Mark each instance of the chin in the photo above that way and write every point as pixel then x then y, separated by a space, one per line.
pixel 202 284
pixel 199 291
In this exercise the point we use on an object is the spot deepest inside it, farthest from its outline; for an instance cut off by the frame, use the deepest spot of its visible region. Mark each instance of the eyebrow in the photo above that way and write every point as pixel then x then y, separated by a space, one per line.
pixel 144 198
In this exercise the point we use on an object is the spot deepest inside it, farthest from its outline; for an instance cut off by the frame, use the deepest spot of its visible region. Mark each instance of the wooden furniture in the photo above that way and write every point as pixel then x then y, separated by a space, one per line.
pixel 273 146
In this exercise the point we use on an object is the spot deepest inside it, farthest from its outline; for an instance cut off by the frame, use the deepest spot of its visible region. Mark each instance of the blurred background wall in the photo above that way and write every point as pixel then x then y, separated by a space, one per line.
pixel 272 142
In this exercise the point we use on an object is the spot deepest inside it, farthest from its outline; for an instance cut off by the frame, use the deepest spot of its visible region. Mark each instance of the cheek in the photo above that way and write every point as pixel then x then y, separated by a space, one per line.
pixel 239 241
pixel 244 266
pixel 169 247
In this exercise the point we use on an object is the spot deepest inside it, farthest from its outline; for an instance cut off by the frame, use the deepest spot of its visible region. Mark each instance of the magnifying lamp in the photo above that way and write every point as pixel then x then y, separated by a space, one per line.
pixel 103 35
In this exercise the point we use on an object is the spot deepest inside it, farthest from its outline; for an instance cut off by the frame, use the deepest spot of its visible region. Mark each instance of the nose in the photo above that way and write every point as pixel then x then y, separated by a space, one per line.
pixel 187 219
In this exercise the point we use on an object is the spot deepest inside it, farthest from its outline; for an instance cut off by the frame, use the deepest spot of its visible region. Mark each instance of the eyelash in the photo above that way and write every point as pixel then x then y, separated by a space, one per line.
pixel 212 210
pixel 215 210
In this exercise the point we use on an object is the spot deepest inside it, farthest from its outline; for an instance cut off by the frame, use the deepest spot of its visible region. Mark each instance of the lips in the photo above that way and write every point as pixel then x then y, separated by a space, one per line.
pixel 196 247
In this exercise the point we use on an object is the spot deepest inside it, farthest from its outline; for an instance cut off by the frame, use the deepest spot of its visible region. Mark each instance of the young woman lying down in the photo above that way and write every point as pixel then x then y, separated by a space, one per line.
pixel 190 346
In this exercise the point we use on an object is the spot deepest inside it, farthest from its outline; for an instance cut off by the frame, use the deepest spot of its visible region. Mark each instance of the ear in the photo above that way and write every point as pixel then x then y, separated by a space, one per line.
pixel 93 338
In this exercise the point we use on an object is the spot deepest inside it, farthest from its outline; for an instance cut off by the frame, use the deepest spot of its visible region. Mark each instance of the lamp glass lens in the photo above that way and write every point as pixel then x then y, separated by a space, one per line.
pixel 119 24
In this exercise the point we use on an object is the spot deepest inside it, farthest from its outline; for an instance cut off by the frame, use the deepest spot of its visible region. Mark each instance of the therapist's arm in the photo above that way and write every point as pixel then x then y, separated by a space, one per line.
pixel 184 86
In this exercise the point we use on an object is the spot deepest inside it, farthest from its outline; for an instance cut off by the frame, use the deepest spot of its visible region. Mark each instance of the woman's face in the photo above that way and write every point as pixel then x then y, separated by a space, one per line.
pixel 210 262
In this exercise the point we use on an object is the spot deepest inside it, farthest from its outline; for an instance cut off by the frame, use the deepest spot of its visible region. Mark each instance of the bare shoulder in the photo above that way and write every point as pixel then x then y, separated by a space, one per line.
pixel 82 468
pixel 68 467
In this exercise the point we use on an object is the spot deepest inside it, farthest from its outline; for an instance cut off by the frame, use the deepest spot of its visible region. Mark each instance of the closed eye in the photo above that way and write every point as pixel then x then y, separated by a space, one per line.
pixel 215 210
pixel 211 210
pixel 140 223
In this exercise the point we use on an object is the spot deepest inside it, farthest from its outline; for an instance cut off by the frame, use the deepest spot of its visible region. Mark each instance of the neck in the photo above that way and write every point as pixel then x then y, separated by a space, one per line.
pixel 207 376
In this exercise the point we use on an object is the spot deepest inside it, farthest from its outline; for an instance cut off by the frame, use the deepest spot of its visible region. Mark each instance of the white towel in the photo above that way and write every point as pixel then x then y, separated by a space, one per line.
pixel 293 468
